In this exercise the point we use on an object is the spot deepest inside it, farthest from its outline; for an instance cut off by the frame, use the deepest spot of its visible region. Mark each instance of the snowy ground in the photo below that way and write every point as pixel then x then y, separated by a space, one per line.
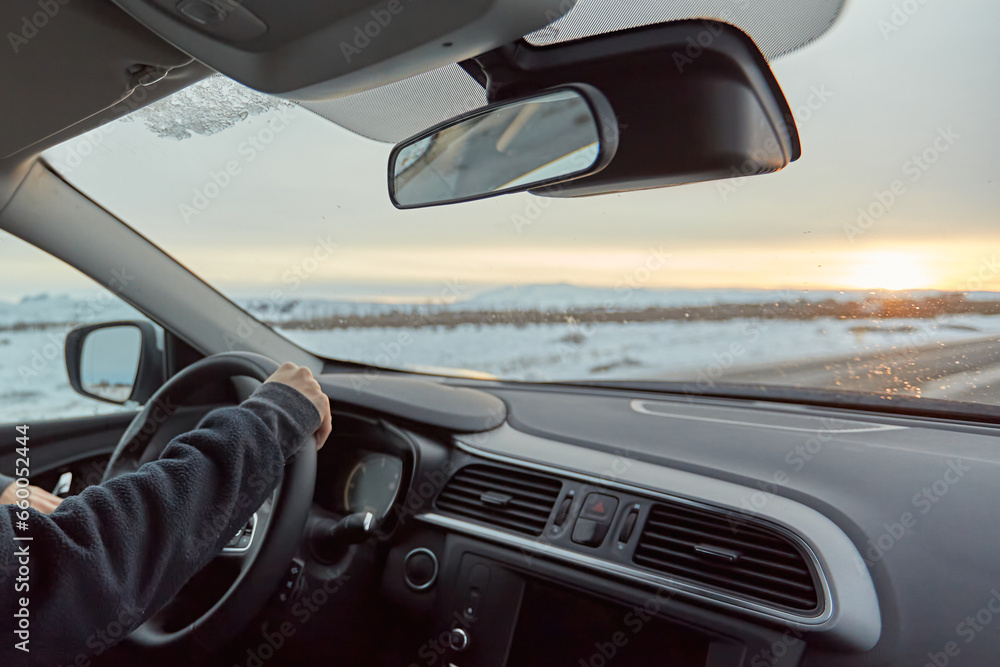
pixel 33 382
pixel 636 350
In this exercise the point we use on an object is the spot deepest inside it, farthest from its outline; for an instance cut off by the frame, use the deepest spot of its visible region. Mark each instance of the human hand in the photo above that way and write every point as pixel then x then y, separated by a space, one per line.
pixel 301 379
pixel 40 499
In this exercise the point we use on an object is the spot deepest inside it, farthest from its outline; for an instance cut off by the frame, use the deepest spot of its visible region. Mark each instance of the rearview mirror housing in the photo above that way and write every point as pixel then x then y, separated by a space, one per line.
pixel 695 101
pixel 549 137
pixel 114 362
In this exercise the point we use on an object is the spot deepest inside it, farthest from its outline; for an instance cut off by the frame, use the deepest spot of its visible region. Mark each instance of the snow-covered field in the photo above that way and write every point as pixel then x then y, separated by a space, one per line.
pixel 33 382
pixel 635 350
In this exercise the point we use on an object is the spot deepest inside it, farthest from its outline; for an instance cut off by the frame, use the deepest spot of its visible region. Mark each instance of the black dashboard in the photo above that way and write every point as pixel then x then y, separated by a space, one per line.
pixel 600 527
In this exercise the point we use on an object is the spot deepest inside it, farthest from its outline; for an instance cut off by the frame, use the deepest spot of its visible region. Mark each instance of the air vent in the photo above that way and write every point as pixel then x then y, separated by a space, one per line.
pixel 508 498
pixel 728 553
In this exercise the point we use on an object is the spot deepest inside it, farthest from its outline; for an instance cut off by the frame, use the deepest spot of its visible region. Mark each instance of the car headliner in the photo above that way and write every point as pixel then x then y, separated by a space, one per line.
pixel 74 73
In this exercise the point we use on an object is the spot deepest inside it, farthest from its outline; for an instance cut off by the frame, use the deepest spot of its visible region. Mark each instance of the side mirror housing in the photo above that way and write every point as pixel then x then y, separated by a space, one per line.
pixel 114 362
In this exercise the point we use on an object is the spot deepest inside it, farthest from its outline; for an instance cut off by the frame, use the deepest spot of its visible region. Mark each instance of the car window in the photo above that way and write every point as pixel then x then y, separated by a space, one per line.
pixel 41 300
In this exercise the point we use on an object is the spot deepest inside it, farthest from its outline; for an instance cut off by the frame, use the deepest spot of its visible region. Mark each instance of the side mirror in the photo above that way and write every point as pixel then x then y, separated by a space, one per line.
pixel 550 137
pixel 114 362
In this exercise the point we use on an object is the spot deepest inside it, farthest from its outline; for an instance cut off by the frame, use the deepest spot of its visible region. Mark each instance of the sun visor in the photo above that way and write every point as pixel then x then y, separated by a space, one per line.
pixel 65 62
pixel 307 50
pixel 395 111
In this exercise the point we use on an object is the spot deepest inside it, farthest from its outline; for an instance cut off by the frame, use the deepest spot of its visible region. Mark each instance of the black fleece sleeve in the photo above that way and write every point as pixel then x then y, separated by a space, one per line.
pixel 119 551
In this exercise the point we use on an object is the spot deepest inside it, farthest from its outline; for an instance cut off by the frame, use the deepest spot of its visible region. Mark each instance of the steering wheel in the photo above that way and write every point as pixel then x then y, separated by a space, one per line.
pixel 279 522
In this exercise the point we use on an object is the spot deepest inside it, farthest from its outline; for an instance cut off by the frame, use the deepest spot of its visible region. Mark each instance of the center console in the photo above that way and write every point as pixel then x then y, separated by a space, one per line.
pixel 495 607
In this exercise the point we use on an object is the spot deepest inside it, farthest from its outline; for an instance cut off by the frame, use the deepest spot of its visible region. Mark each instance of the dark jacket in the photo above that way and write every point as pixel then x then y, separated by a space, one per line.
pixel 119 551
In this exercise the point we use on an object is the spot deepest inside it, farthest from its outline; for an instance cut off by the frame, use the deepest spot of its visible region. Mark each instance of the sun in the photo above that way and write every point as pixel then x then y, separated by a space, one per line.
pixel 890 271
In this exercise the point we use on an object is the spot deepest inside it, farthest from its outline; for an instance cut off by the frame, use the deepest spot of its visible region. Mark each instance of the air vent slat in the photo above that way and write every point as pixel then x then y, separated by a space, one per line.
pixel 728 552
pixel 729 522
pixel 508 498
pixel 721 539
pixel 474 488
pixel 697 514
pixel 763 563
pixel 509 511
pixel 491 517
pixel 724 569
pixel 543 485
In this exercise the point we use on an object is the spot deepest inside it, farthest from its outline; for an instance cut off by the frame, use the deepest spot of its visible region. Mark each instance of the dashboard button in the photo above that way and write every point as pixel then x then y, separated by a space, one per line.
pixel 628 525
pixel 420 569
pixel 479 579
pixel 599 507
pixel 563 512
pixel 589 533
pixel 458 639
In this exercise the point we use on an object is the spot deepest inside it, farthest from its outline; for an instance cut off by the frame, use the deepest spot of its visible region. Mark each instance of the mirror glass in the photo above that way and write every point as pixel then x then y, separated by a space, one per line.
pixel 109 362
pixel 502 148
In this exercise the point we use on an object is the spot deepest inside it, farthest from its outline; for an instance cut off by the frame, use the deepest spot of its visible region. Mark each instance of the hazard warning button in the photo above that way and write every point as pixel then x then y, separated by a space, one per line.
pixel 599 507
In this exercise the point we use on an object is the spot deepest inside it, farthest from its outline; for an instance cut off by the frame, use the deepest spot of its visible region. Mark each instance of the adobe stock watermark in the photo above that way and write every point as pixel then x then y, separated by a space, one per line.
pixel 391 352
pixel 797 458
pixel 32 23
pixel 711 29
pixel 51 352
pixel 294 276
pixel 633 623
pixel 762 158
pixel 729 357
pixel 923 502
pixel 306 606
pixel 775 653
pixel 78 149
pixel 370 30
pixel 900 15
pixel 578 162
pixel 913 169
pixel 571 343
pixel 248 150
pixel 967 629
pixel 102 639
pixel 421 493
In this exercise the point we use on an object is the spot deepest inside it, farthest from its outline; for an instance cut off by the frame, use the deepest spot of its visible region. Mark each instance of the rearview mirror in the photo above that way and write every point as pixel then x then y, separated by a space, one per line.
pixel 114 362
pixel 551 137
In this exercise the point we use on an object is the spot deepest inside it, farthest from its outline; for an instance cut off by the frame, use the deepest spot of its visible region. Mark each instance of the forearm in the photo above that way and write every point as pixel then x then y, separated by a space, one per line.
pixel 124 548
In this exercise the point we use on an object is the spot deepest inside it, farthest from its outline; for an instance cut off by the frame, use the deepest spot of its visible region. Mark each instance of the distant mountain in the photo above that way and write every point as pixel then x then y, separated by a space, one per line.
pixel 64 308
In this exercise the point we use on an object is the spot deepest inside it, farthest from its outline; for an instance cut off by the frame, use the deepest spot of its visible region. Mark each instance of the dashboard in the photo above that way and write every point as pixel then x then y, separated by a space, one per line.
pixel 604 527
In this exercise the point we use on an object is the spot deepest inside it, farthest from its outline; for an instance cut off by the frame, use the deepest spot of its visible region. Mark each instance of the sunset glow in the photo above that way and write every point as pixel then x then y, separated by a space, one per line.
pixel 891 271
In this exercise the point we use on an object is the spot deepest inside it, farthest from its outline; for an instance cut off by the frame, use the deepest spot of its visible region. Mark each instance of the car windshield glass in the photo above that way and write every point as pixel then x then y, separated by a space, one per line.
pixel 868 265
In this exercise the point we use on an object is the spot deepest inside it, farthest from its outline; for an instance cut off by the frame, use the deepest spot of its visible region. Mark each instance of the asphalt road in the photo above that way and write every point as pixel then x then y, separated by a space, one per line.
pixel 966 371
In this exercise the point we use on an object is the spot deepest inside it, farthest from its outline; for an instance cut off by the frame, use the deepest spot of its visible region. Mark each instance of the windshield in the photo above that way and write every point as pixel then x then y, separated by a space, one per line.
pixel 868 265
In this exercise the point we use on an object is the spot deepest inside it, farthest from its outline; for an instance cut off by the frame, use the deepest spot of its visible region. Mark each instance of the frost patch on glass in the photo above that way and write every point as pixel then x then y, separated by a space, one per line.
pixel 205 108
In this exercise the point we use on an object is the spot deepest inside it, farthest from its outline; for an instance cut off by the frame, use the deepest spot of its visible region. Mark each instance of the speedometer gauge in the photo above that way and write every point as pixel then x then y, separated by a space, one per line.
pixel 373 484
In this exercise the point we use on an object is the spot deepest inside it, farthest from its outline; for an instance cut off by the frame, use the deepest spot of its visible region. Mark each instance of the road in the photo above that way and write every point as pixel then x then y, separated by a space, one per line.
pixel 966 371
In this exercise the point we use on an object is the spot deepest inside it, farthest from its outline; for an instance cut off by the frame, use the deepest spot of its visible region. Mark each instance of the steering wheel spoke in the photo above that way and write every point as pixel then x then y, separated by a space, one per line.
pixel 243 541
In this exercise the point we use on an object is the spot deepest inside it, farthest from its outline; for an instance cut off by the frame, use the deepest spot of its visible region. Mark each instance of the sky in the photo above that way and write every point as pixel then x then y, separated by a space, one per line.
pixel 887 105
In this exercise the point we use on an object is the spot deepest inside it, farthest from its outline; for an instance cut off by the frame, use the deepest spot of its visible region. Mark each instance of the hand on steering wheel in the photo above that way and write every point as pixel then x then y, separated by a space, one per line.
pixel 301 379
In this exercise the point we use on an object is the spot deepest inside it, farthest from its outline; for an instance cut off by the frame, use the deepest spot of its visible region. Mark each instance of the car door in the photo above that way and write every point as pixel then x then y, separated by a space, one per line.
pixel 41 300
